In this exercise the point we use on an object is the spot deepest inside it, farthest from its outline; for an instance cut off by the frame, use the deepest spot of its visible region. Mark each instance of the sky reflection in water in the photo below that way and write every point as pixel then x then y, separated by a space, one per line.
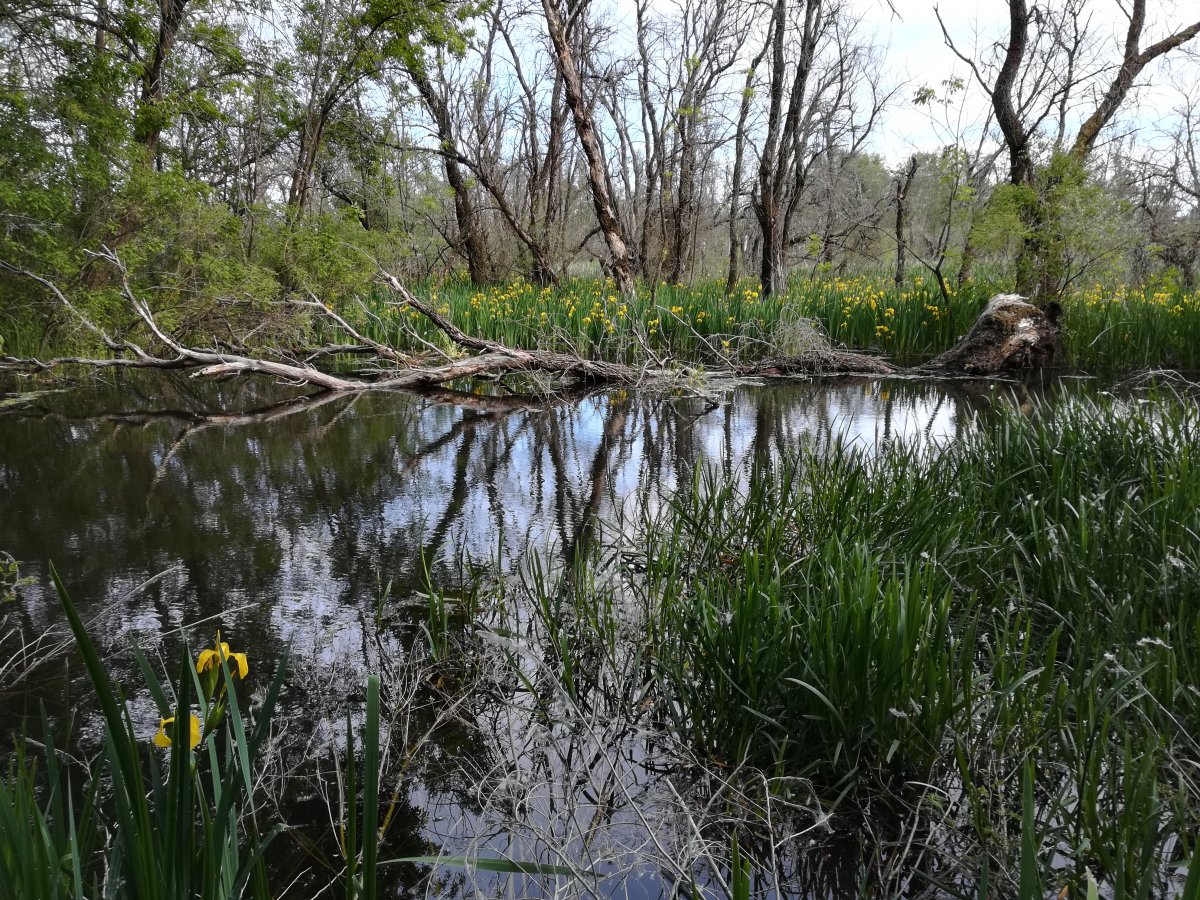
pixel 282 522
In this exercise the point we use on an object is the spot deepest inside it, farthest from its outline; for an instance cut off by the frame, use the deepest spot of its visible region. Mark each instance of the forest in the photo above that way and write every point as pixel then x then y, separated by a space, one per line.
pixel 236 162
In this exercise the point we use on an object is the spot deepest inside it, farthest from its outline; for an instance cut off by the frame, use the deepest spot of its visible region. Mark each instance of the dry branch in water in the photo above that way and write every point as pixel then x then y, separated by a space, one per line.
pixel 992 346
pixel 488 358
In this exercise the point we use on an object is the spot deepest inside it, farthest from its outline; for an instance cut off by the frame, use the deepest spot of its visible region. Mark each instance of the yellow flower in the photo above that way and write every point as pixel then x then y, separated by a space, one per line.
pixel 211 659
pixel 162 739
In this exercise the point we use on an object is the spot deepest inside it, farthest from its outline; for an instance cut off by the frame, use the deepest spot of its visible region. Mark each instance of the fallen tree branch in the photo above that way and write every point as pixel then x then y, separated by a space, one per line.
pixel 1010 334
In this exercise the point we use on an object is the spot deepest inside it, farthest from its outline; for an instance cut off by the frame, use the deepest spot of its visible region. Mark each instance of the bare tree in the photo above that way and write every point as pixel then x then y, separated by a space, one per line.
pixel 903 183
pixel 739 150
pixel 470 238
pixel 812 115
pixel 585 128
pixel 787 136
pixel 1039 71
pixel 711 37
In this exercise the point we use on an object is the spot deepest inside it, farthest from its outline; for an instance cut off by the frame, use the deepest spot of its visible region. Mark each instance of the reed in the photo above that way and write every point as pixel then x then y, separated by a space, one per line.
pixel 181 826
pixel 1010 618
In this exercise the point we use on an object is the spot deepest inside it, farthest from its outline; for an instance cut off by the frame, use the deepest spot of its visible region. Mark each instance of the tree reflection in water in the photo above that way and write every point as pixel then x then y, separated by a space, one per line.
pixel 282 518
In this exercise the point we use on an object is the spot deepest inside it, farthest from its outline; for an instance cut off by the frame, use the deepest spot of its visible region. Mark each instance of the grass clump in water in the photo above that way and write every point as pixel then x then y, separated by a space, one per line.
pixel 911 629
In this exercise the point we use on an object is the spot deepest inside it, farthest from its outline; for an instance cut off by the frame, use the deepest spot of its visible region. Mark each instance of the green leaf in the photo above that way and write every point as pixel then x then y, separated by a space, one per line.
pixel 487 864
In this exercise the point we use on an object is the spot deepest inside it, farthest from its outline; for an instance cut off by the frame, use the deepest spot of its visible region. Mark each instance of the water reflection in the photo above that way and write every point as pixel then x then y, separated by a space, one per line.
pixel 294 511
pixel 316 523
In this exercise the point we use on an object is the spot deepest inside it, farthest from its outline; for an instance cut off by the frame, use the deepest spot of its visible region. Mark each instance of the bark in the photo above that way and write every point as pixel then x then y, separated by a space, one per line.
pixel 1131 66
pixel 1016 137
pixel 1010 335
pixel 780 168
pixel 903 183
pixel 470 233
pixel 739 153
pixel 585 127
pixel 149 127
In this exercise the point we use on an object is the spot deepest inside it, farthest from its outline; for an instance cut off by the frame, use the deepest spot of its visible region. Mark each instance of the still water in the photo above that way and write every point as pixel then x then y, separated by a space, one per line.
pixel 173 507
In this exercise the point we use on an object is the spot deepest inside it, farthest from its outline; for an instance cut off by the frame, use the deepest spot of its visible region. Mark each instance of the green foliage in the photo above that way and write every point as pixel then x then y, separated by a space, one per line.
pixel 43 852
pixel 837 649
pixel 10 578
pixel 857 618
pixel 1001 225
pixel 328 255
pixel 185 831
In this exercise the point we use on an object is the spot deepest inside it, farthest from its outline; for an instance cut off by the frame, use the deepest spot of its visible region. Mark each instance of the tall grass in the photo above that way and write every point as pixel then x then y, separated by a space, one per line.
pixel 183 829
pixel 1104 329
pixel 1123 328
pixel 697 322
pixel 22 334
pixel 999 634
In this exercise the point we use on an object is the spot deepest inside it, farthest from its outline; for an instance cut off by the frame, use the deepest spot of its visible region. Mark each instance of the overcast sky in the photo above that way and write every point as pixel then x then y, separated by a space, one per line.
pixel 918 54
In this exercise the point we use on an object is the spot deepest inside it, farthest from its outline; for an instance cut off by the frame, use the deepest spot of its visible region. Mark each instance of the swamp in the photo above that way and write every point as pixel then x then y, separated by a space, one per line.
pixel 618 449
pixel 826 638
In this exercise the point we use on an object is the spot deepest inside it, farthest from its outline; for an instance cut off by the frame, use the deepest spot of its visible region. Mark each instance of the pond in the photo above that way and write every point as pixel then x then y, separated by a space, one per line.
pixel 344 529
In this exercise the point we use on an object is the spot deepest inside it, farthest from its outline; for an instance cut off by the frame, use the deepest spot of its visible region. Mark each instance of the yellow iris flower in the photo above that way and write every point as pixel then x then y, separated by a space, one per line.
pixel 211 658
pixel 162 739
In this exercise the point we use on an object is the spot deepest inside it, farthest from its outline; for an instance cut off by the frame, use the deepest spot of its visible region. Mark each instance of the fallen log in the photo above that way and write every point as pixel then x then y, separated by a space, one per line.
pixel 491 357
pixel 1010 334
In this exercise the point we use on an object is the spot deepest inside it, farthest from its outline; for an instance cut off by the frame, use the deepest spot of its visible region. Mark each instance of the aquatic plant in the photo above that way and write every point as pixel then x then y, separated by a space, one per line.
pixel 994 639
pixel 186 830
pixel 1105 328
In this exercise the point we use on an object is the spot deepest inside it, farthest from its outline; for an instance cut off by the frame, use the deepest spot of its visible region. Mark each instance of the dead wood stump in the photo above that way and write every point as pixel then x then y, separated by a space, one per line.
pixel 1011 334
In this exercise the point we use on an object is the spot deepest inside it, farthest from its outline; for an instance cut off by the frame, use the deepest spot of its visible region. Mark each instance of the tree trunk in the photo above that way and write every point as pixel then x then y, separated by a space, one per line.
pixel 903 183
pixel 470 234
pixel 149 124
pixel 606 212
pixel 1010 334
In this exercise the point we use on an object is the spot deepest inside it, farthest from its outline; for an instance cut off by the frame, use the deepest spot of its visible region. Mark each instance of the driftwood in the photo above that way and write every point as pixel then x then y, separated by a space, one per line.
pixel 821 362
pixel 1010 334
